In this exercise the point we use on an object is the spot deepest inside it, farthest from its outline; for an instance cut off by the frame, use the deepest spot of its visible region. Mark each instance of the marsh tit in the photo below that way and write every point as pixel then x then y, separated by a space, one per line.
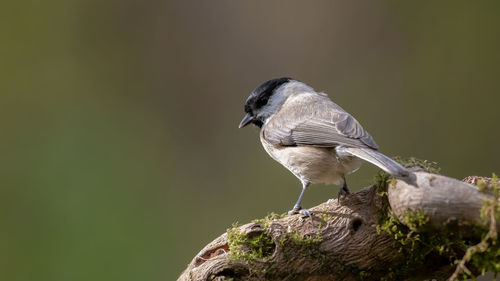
pixel 311 136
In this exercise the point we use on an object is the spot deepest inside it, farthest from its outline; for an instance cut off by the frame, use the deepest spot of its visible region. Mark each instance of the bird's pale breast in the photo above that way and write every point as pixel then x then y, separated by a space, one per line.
pixel 313 164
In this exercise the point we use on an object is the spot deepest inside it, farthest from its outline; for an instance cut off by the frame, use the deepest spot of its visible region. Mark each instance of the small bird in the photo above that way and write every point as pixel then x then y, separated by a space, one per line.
pixel 311 136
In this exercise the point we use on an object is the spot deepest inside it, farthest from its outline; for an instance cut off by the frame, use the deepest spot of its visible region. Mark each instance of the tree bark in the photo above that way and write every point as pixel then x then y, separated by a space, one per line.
pixel 341 241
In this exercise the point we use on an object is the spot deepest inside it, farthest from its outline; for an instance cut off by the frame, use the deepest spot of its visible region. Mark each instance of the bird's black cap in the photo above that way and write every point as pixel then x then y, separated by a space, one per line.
pixel 259 97
pixel 263 92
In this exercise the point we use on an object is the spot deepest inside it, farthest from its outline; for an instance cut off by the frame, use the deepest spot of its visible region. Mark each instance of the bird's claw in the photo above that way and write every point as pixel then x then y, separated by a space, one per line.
pixel 298 210
pixel 344 191
pixel 295 210
pixel 306 212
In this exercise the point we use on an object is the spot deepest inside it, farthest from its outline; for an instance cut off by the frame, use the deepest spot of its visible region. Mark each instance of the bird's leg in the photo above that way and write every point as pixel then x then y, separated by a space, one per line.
pixel 344 190
pixel 297 208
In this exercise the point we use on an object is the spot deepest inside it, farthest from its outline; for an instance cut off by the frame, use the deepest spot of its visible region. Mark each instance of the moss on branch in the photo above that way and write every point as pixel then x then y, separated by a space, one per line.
pixel 424 248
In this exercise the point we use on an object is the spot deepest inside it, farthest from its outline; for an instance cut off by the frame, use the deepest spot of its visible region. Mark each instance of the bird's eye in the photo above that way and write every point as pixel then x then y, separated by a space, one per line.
pixel 262 101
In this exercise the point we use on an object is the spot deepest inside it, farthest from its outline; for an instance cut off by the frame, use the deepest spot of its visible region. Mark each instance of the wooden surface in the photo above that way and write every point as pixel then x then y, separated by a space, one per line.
pixel 349 244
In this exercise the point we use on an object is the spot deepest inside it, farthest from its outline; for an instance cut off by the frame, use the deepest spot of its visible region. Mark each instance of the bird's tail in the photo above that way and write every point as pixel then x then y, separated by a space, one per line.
pixel 378 159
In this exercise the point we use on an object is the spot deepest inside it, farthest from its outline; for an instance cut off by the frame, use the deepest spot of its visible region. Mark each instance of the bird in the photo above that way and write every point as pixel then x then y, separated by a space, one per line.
pixel 311 136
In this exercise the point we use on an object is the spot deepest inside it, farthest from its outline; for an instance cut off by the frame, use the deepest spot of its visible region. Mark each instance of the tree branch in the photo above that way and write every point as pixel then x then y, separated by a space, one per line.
pixel 357 238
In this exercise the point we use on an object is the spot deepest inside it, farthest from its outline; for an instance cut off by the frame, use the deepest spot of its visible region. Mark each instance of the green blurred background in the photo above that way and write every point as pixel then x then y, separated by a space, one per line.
pixel 121 156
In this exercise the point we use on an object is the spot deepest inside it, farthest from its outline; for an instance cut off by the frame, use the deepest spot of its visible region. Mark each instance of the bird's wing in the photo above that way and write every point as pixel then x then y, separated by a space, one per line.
pixel 314 120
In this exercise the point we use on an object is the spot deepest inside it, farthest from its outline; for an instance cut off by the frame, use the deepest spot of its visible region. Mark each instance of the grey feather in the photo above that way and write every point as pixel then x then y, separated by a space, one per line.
pixel 314 120
pixel 378 159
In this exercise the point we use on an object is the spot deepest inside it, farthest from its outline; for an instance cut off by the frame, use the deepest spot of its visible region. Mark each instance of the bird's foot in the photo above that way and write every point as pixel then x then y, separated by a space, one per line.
pixel 305 212
pixel 343 192
pixel 298 210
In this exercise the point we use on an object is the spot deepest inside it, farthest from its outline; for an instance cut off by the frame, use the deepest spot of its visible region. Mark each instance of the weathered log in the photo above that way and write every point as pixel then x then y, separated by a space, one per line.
pixel 447 202
pixel 343 241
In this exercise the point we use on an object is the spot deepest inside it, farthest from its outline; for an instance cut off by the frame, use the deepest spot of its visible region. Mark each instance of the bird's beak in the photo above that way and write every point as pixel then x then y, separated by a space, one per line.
pixel 245 121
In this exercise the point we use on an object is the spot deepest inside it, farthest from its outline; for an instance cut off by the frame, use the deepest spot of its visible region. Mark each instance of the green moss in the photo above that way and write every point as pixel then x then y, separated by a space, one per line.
pixel 415 220
pixel 412 162
pixel 295 244
pixel 415 245
pixel 259 247
pixel 485 256
pixel 266 221
pixel 324 216
pixel 305 241
pixel 364 274
pixel 381 185
pixel 249 247
pixel 418 246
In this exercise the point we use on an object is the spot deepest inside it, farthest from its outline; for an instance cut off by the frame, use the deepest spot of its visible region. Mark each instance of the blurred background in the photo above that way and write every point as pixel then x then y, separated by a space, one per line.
pixel 121 156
